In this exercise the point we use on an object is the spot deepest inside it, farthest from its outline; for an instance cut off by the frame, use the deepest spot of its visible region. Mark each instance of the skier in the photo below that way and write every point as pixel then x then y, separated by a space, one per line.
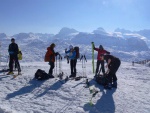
pixel 51 55
pixel 112 66
pixel 13 52
pixel 73 60
pixel 99 60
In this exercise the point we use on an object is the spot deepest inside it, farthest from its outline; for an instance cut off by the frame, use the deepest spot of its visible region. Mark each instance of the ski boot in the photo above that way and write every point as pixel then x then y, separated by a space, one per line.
pixel 114 85
pixel 10 73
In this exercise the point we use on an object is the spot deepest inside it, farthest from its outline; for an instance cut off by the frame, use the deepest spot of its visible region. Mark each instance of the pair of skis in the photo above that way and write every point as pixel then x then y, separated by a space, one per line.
pixel 7 70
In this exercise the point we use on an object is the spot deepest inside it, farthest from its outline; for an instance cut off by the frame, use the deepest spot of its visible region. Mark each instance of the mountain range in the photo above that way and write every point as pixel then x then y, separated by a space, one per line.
pixel 125 44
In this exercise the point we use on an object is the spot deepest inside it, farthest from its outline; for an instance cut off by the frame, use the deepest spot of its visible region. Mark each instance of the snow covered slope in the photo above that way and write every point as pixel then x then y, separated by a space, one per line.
pixel 27 95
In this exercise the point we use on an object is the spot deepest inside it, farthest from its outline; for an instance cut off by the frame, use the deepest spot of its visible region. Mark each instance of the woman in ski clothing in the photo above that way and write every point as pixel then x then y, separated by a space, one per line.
pixel 51 58
pixel 73 60
pixel 13 56
pixel 100 51
pixel 112 66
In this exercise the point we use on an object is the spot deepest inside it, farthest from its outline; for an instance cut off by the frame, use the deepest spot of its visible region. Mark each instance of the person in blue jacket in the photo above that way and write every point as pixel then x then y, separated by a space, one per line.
pixel 73 61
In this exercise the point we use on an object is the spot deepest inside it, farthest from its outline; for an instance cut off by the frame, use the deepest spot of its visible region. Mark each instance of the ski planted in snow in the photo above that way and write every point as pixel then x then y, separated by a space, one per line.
pixel 93 56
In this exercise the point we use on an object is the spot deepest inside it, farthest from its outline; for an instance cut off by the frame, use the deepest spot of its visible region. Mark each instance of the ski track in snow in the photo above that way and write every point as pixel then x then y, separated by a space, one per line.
pixel 24 94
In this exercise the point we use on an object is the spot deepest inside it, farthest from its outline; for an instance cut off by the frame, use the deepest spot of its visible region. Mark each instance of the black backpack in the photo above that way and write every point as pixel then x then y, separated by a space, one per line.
pixel 102 79
pixel 77 52
pixel 41 75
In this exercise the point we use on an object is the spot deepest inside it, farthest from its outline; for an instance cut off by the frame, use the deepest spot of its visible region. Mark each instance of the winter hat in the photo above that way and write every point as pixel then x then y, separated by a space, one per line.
pixel 52 45
pixel 70 47
pixel 101 47
pixel 12 39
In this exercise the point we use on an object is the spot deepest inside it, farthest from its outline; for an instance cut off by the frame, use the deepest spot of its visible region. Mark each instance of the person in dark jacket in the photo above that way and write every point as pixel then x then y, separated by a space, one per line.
pixel 112 66
pixel 100 51
pixel 51 58
pixel 73 60
pixel 13 56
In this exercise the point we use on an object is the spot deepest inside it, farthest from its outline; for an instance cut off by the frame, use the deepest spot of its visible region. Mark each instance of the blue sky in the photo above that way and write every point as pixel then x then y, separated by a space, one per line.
pixel 49 16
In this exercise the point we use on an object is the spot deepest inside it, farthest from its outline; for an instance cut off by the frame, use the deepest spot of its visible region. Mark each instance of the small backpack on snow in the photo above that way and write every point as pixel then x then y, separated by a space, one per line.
pixel 102 79
pixel 77 52
pixel 41 75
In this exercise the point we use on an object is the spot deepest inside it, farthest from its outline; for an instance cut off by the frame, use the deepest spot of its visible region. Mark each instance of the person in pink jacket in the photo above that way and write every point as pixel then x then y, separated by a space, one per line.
pixel 100 61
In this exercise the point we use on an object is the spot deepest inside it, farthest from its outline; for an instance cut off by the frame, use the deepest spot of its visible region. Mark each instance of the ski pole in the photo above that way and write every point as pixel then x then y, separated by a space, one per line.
pixel 85 65
pixel 56 65
pixel 82 65
pixel 99 71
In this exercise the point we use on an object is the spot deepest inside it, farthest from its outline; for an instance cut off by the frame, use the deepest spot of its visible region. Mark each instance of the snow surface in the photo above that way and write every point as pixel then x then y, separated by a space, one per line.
pixel 27 95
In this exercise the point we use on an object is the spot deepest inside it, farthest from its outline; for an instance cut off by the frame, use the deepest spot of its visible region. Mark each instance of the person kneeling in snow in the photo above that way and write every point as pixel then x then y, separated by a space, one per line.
pixel 113 64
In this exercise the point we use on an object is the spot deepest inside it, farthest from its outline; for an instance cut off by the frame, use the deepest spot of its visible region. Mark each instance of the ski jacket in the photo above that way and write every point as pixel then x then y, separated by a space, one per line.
pixel 72 55
pixel 111 57
pixel 100 51
pixel 114 60
pixel 50 54
pixel 13 49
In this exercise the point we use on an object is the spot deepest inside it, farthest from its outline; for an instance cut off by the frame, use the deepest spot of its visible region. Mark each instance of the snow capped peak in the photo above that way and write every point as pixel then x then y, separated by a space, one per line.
pixel 67 31
pixel 99 30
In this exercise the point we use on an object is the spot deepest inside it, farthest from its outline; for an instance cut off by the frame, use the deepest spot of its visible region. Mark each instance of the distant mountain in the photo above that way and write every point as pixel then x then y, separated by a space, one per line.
pixel 124 44
pixel 66 33
pixel 122 30
pixel 100 30
pixel 145 33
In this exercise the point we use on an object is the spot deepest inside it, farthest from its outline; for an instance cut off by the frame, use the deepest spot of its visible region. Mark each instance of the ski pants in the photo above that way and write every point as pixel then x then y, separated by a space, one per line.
pixel 73 63
pixel 51 67
pixel 13 58
pixel 102 66
pixel 113 69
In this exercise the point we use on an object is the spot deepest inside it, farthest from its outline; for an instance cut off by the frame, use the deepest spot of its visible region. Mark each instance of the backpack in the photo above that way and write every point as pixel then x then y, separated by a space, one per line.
pixel 19 55
pixel 102 79
pixel 47 57
pixel 41 75
pixel 77 52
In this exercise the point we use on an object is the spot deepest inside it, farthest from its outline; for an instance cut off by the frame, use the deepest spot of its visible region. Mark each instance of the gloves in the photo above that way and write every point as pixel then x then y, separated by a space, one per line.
pixel 56 53
pixel 50 63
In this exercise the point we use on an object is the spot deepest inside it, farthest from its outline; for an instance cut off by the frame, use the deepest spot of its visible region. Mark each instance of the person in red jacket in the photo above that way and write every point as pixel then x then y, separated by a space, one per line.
pixel 50 56
pixel 100 61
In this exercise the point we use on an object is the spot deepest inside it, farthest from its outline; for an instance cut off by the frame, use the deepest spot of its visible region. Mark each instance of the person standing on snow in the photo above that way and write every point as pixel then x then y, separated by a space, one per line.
pixel 50 54
pixel 13 53
pixel 73 60
pixel 113 64
pixel 100 51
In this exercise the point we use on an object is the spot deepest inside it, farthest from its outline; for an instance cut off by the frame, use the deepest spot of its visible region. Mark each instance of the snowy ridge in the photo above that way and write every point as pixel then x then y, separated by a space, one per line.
pixel 27 95
pixel 128 46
